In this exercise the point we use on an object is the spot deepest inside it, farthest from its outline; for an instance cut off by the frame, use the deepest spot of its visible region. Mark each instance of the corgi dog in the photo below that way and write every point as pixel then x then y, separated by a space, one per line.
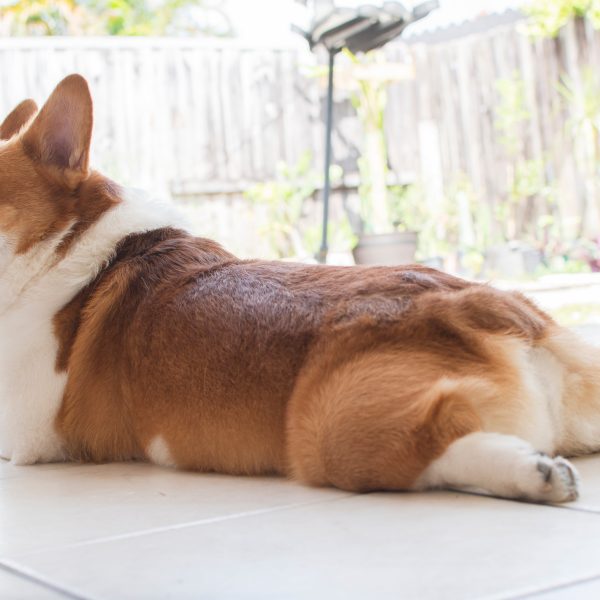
pixel 124 337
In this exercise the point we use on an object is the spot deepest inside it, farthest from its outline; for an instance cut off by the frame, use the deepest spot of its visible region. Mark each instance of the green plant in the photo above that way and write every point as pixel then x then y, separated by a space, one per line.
pixel 366 78
pixel 459 229
pixel 576 314
pixel 583 100
pixel 407 207
pixel 548 17
pixel 369 101
pixel 436 235
pixel 529 182
pixel 339 233
pixel 145 17
pixel 114 17
pixel 283 199
pixel 511 112
pixel 43 17
pixel 528 192
pixel 379 212
pixel 284 202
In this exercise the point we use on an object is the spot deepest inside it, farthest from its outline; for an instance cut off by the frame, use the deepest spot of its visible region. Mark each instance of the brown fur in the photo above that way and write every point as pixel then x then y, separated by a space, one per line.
pixel 17 119
pixel 275 367
pixel 46 185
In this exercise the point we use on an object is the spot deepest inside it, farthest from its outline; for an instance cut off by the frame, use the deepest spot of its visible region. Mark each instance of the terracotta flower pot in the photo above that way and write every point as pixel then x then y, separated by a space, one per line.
pixel 397 248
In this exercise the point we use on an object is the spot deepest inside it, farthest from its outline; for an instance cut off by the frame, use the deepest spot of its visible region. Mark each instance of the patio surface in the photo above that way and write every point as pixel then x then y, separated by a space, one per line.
pixel 138 531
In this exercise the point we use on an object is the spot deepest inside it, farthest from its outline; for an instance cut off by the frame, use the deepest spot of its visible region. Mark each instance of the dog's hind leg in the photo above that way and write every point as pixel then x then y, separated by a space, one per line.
pixel 371 424
pixel 501 465
pixel 377 423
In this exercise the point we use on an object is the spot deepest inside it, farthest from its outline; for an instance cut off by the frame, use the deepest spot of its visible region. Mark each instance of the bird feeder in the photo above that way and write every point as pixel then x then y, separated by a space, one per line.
pixel 358 29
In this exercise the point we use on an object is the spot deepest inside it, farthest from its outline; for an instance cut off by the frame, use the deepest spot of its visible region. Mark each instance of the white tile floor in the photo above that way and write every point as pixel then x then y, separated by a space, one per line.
pixel 137 531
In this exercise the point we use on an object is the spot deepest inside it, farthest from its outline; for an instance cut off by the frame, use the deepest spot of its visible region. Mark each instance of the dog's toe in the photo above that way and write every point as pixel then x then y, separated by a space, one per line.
pixel 558 480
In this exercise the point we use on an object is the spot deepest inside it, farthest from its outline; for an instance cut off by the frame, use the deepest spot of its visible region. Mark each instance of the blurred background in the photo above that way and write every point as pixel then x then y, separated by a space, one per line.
pixel 473 139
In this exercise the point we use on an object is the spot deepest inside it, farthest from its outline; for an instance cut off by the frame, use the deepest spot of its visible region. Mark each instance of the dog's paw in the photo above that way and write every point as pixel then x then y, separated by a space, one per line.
pixel 550 480
pixel 504 466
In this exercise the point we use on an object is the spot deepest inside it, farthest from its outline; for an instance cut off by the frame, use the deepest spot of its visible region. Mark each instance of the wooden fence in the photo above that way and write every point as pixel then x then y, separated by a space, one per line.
pixel 450 123
pixel 204 120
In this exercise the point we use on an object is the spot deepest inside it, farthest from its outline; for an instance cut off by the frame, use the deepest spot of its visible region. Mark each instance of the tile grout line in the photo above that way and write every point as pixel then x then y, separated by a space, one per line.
pixel 582 509
pixel 23 573
pixel 177 526
pixel 561 506
pixel 533 592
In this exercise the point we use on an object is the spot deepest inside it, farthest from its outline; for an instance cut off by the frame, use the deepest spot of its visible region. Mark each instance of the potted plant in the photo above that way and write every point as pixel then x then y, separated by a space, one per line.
pixel 383 236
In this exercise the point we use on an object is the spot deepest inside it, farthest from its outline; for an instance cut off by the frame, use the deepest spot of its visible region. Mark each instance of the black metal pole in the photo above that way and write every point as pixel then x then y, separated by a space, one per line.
pixel 322 256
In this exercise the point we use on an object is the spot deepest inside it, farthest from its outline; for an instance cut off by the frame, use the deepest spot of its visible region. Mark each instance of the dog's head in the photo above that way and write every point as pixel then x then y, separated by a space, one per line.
pixel 44 166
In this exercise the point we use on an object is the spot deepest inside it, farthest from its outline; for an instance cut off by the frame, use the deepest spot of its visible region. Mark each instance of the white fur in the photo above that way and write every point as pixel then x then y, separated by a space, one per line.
pixel 502 465
pixel 563 414
pixel 33 288
pixel 507 459
pixel 535 412
pixel 580 422
pixel 543 378
pixel 159 453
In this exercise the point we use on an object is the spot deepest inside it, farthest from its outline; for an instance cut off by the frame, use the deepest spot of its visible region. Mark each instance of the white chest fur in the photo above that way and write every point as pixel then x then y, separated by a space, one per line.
pixel 31 389
pixel 33 288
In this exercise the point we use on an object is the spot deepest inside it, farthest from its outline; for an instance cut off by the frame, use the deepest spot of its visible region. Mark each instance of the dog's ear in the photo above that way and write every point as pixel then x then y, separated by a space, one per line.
pixel 17 119
pixel 59 137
